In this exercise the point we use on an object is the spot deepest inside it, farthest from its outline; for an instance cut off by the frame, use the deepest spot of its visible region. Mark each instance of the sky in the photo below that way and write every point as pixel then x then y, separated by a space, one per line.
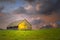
pixel 35 11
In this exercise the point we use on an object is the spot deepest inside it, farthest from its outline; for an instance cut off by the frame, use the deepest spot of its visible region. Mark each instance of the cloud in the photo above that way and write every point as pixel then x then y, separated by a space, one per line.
pixel 48 9
pixel 7 1
pixel 32 11
pixel 20 10
pixel 1 8
pixel 28 10
pixel 30 1
pixel 35 22
pixel 4 20
pixel 47 6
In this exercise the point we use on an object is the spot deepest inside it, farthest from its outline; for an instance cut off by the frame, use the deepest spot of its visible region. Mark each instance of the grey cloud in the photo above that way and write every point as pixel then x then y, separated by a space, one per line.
pixel 7 0
pixel 47 7
pixel 6 19
pixel 36 22
pixel 30 1
pixel 20 10
pixel 1 8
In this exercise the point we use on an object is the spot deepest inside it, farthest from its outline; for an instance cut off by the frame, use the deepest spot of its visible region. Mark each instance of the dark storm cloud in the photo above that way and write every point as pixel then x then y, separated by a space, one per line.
pixel 47 6
pixel 30 1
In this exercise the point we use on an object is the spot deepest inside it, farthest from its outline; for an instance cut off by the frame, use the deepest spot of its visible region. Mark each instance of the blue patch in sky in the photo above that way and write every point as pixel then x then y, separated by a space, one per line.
pixel 12 6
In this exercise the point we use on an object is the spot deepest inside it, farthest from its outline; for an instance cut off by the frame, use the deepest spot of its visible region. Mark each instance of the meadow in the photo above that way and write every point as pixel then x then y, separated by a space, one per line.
pixel 42 34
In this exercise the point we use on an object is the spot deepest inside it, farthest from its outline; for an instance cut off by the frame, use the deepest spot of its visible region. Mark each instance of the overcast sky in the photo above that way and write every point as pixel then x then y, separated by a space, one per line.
pixel 35 11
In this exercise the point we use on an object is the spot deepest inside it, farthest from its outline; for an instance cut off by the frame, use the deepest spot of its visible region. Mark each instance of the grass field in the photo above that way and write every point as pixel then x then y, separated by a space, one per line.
pixel 42 34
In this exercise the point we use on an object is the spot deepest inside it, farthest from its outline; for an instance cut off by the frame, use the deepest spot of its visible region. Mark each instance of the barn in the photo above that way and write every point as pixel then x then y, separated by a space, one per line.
pixel 20 25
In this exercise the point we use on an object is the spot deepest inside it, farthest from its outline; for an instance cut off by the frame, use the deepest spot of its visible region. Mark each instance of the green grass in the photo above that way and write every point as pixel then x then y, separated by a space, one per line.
pixel 42 34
